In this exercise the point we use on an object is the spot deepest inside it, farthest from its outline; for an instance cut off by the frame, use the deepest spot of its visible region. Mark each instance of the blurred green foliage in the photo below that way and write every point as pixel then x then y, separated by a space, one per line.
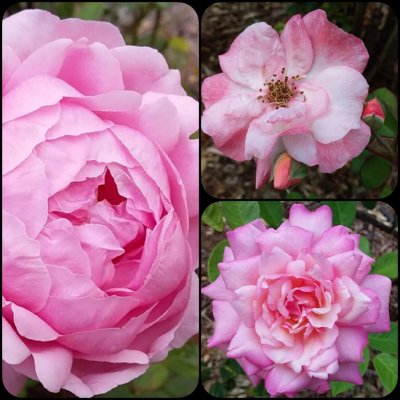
pixel 176 376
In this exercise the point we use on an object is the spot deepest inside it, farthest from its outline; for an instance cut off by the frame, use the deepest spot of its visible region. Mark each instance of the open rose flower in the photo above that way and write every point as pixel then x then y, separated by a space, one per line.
pixel 294 305
pixel 100 206
pixel 301 92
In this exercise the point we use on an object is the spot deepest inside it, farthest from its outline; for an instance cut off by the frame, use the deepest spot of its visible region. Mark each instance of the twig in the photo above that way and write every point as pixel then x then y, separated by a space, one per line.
pixel 371 220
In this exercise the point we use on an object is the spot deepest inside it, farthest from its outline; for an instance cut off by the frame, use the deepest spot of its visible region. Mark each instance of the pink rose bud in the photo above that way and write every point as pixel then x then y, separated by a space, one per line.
pixel 373 108
pixel 282 172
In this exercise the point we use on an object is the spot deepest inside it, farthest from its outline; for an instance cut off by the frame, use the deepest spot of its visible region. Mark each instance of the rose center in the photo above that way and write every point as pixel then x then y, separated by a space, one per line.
pixel 279 91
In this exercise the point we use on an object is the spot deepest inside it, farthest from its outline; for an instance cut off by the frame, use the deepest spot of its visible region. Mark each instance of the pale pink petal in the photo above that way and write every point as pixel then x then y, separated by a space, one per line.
pixel 99 71
pixel 348 372
pixel 45 27
pixel 226 121
pixel 143 70
pixel 347 90
pixel 346 263
pixel 302 148
pixel 14 349
pixel 317 221
pixel 245 343
pixel 226 323
pixel 189 325
pixel 243 303
pixel 21 135
pixel 333 241
pixel 253 56
pixel 290 239
pixel 75 120
pixel 30 326
pixel 34 93
pixel 10 63
pixel 159 121
pixel 381 285
pixel 105 341
pixel 47 60
pixel 218 291
pixel 23 269
pixel 350 343
pixel 332 45
pixel 298 47
pixel 101 247
pixel 52 365
pixel 237 274
pixel 218 87
pixel 335 155
pixel 60 245
pixel 323 364
pixel 274 262
pixel 102 377
pixel 95 31
pixel 64 314
pixel 242 240
pixel 282 379
pixel 185 158
pixel 12 380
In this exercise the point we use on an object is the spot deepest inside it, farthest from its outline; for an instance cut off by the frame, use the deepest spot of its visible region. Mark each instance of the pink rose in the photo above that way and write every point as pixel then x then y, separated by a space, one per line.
pixel 294 305
pixel 100 207
pixel 300 92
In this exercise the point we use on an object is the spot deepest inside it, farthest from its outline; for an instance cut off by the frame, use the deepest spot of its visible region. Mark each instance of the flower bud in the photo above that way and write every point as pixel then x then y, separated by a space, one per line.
pixel 285 172
pixel 373 113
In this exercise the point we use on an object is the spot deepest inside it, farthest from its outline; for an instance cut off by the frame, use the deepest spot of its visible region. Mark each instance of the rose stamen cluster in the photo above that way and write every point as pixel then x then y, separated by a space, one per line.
pixel 280 91
pixel 294 305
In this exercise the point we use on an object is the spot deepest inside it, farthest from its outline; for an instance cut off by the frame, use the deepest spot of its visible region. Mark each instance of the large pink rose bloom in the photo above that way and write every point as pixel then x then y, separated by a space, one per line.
pixel 300 92
pixel 294 305
pixel 100 207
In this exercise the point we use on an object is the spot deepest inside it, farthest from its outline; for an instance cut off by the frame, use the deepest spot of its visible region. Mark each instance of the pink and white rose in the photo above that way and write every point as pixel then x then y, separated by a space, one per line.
pixel 294 305
pixel 301 92
pixel 100 208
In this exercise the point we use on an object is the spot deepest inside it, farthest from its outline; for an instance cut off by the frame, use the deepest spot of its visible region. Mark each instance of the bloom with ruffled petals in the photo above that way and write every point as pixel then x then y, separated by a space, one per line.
pixel 300 92
pixel 294 305
pixel 100 207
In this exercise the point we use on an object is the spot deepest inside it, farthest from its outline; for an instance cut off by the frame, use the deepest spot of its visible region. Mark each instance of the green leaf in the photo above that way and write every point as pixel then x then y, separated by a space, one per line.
pixel 238 213
pixel 217 389
pixel 92 11
pixel 294 195
pixel 385 342
pixel 387 369
pixel 386 132
pixel 386 191
pixel 388 98
pixel 212 216
pixel 271 212
pixel 344 212
pixel 375 172
pixel 153 379
pixel 387 265
pixel 365 246
pixel 216 257
pixel 357 162
pixel 370 204
pixel 297 170
pixel 259 390
pixel 340 387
